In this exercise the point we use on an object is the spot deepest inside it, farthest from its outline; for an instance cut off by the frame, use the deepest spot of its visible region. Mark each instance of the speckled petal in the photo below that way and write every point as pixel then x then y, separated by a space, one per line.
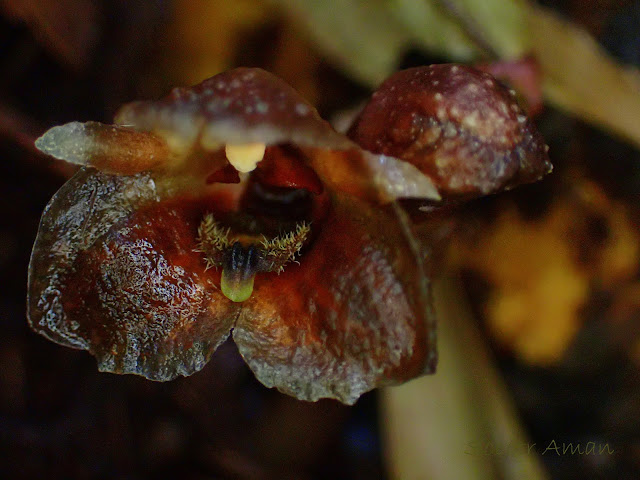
pixel 457 125
pixel 244 105
pixel 354 315
pixel 248 106
pixel 114 271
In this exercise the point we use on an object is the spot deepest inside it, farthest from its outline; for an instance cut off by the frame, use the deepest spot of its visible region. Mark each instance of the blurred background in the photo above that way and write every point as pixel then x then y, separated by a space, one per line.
pixel 538 290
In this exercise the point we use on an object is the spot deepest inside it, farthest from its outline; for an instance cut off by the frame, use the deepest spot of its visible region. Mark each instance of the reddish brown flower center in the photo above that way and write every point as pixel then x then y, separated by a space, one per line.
pixel 282 196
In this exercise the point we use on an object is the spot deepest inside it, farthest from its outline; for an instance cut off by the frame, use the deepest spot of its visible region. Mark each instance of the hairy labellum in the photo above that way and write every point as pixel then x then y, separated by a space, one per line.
pixel 241 258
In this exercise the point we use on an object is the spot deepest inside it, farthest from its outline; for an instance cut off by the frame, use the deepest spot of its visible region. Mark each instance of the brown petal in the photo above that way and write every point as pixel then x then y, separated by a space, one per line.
pixel 377 178
pixel 459 126
pixel 114 271
pixel 244 105
pixel 249 105
pixel 354 315
pixel 109 148
pixel 240 107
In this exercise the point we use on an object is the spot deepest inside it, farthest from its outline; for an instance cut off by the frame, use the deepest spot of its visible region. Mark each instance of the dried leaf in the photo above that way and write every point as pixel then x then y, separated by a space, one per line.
pixel 461 422
pixel 497 25
pixel 363 38
pixel 542 272
pixel 367 39
pixel 581 78
pixel 204 34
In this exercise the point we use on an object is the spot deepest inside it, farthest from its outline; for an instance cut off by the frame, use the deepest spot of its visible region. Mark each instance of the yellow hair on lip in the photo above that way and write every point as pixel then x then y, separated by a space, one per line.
pixel 272 254
pixel 284 248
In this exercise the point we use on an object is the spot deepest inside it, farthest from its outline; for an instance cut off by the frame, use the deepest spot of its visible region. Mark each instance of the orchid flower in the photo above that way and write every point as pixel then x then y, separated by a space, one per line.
pixel 232 208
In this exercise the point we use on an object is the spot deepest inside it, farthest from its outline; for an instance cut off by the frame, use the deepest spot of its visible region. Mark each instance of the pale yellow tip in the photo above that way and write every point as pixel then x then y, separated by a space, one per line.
pixel 235 289
pixel 245 157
